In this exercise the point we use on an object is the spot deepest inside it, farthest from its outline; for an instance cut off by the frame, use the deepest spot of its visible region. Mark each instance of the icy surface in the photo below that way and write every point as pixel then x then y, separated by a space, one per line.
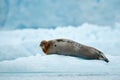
pixel 62 64
pixel 22 14
pixel 20 43
pixel 20 52
pixel 39 77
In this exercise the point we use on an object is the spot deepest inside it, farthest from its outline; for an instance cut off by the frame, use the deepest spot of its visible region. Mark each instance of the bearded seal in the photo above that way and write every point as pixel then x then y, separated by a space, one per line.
pixel 71 48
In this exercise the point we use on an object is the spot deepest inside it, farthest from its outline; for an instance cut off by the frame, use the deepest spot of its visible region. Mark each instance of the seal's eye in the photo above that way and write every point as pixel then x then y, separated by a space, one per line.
pixel 55 45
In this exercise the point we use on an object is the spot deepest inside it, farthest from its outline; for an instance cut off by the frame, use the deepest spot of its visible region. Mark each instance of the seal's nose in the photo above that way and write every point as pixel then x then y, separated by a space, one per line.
pixel 41 44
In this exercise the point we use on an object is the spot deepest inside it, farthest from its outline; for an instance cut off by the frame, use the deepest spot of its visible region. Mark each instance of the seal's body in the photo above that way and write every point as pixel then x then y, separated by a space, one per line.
pixel 71 48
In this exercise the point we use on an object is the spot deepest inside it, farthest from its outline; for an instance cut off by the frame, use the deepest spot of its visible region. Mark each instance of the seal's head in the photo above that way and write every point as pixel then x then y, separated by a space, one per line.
pixel 44 46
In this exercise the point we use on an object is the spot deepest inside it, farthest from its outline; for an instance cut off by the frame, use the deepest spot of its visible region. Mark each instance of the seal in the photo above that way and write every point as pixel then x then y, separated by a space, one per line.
pixel 71 48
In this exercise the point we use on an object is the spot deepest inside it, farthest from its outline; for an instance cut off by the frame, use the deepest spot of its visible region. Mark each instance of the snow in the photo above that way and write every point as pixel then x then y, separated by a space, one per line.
pixel 62 64
pixel 20 43
pixel 21 14
pixel 20 51
pixel 38 77
pixel 25 23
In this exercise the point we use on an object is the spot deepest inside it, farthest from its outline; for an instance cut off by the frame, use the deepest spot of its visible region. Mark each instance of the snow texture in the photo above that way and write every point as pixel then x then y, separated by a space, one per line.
pixel 41 77
pixel 25 23
pixel 20 51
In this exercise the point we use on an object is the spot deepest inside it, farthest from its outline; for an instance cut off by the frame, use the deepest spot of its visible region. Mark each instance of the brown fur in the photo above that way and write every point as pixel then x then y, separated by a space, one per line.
pixel 46 46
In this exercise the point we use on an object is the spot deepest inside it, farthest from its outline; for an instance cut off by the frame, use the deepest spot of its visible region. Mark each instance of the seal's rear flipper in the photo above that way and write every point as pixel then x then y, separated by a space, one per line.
pixel 106 60
pixel 102 57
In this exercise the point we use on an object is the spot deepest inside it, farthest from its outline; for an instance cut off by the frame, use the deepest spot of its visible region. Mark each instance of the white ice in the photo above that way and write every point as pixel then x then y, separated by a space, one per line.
pixel 62 64
pixel 20 51
pixel 22 14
